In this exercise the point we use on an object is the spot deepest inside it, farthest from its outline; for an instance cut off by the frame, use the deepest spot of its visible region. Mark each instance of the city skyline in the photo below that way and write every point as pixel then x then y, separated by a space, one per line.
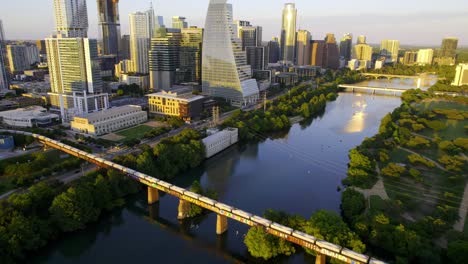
pixel 408 27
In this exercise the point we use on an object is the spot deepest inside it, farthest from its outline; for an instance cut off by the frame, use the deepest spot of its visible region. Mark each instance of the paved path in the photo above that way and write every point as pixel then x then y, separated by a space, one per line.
pixel 431 160
pixel 460 225
pixel 378 189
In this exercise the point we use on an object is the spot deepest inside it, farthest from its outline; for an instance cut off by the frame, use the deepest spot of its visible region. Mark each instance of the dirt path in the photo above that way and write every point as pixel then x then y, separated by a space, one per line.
pixel 378 189
pixel 431 160
pixel 460 225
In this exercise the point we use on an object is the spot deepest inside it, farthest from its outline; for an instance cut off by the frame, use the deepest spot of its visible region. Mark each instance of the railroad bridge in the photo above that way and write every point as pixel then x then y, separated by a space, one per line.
pixel 223 211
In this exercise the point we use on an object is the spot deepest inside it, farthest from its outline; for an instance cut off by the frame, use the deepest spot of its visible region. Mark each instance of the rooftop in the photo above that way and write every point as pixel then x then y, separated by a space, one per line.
pixel 28 112
pixel 181 94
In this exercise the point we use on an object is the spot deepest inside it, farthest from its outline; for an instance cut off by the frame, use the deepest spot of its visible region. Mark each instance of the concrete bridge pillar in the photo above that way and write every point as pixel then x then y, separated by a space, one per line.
pixel 320 259
pixel 184 208
pixel 153 195
pixel 419 83
pixel 221 224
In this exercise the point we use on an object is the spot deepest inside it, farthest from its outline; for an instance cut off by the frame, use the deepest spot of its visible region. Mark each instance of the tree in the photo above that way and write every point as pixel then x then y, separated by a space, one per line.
pixel 458 252
pixel 462 143
pixel 260 244
pixel 393 170
pixel 358 160
pixel 353 203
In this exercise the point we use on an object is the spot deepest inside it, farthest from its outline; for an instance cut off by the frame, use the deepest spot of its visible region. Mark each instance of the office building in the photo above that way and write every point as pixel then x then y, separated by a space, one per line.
pixel 143 81
pixel 179 22
pixel 190 56
pixel 332 59
pixel 124 53
pixel 225 72
pixel 361 39
pixel 274 53
pixel 124 66
pixel 3 72
pixel 140 34
pixel 303 48
pixel 346 47
pixel 22 57
pixel 76 85
pixel 461 77
pixel 2 32
pixel 389 49
pixel 71 18
pixel 425 57
pixel 447 53
pixel 110 120
pixel 109 25
pixel 41 47
pixel 178 103
pixel 318 57
pixel 288 33
pixel 362 51
pixel 410 58
pixel 164 58
pixel 256 57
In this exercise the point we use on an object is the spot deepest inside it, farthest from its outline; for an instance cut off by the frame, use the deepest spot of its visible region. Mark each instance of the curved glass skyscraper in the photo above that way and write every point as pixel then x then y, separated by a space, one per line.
pixel 288 33
pixel 225 72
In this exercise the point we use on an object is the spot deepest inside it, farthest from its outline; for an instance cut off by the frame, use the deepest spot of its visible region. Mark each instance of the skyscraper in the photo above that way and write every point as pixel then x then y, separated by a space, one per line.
pixel 288 33
pixel 21 57
pixel 303 48
pixel 140 34
pixel 225 71
pixel 274 51
pixel 3 74
pixel 256 57
pixel 425 56
pixel 389 49
pixel 361 39
pixel 332 58
pixel 319 53
pixel 461 76
pixel 124 46
pixel 410 57
pixel 164 58
pixel 447 53
pixel 190 67
pixel 346 47
pixel 71 18
pixel 362 51
pixel 109 22
pixel 179 22
pixel 250 36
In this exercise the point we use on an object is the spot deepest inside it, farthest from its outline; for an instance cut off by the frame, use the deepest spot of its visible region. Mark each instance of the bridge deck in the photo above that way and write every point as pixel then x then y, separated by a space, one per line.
pixel 294 236
pixel 389 89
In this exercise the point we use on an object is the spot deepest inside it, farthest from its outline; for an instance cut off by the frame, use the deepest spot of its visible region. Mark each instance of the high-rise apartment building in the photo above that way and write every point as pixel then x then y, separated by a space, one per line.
pixel 425 56
pixel 461 77
pixel 319 53
pixel 190 63
pixel 179 22
pixel 332 59
pixel 3 73
pixel 447 53
pixel 41 46
pixel 21 57
pixel 2 32
pixel 140 34
pixel 225 72
pixel 389 49
pixel 71 18
pixel 76 85
pixel 361 39
pixel 124 52
pixel 288 33
pixel 257 57
pixel 109 23
pixel 410 57
pixel 250 36
pixel 303 48
pixel 362 51
pixel 274 51
pixel 346 47
pixel 164 58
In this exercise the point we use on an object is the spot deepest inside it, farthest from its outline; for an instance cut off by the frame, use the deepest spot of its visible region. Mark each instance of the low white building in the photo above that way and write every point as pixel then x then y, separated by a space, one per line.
pixel 220 141
pixel 141 80
pixel 28 117
pixel 110 120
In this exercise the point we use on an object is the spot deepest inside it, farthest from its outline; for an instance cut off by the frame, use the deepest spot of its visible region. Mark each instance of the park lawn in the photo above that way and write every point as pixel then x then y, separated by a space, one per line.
pixel 431 105
pixel 135 132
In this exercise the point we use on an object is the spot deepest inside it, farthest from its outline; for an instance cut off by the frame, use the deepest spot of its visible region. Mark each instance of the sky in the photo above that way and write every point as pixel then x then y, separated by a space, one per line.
pixel 413 22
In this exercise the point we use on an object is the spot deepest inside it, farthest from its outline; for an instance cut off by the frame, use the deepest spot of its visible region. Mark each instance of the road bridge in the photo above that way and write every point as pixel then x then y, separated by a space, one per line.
pixel 395 91
pixel 223 211
pixel 394 76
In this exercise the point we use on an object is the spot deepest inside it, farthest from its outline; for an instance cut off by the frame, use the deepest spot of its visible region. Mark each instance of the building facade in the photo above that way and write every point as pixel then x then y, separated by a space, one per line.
pixel 410 58
pixel 274 51
pixel 332 59
pixel 461 77
pixel 425 57
pixel 303 48
pixel 33 116
pixel 363 52
pixel 180 104
pixel 71 18
pixel 140 35
pixel 4 85
pixel 346 47
pixel 190 56
pixel 389 49
pixel 21 57
pixel 225 72
pixel 179 22
pixel 109 24
pixel 447 53
pixel 318 53
pixel 220 141
pixel 288 33
pixel 110 120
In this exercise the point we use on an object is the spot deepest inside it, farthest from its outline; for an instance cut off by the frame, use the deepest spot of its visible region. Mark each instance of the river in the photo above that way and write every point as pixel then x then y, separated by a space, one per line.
pixel 298 173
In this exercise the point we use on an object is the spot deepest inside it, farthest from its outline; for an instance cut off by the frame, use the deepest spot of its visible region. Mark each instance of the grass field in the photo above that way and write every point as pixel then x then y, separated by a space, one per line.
pixel 431 105
pixel 135 132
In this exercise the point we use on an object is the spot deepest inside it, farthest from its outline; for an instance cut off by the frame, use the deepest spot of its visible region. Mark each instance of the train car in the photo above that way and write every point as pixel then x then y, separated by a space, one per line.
pixel 117 166
pixel 165 184
pixel 281 228
pixel 208 201
pixel 140 175
pixel 242 214
pixel 224 207
pixel 42 138
pixel 101 160
pixel 192 195
pixel 177 189
pixel 261 221
pixel 310 239
pixel 354 255
pixel 375 261
pixel 329 246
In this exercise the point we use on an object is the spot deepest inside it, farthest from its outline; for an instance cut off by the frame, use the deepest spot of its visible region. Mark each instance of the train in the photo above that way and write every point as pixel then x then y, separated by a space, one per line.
pixel 284 231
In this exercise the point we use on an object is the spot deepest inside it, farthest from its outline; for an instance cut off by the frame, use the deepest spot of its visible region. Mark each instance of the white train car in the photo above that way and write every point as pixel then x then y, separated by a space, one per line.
pixel 177 189
pixel 224 207
pixel 281 228
pixel 304 236
pixel 242 214
pixel 375 261
pixel 354 255
pixel 329 246
pixel 193 195
pixel 208 201
pixel 108 163
pixel 165 184
pixel 139 175
pixel 261 221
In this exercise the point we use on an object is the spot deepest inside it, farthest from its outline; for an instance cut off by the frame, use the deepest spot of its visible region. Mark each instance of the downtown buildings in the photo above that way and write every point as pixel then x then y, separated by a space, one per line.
pixel 109 24
pixel 389 49
pixel 288 33
pixel 225 71
pixel 4 86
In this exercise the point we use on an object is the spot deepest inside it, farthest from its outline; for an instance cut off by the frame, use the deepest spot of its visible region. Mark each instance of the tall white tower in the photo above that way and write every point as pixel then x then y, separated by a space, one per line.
pixel 71 18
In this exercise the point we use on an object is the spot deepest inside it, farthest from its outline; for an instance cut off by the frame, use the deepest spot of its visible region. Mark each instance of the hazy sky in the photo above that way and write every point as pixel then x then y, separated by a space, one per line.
pixel 415 22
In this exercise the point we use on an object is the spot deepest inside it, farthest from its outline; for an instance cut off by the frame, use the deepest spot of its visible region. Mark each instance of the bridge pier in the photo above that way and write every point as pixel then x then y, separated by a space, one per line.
pixel 221 224
pixel 184 208
pixel 320 259
pixel 153 195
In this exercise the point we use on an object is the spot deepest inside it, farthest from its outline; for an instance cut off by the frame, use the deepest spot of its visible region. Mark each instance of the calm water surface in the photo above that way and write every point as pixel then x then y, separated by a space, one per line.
pixel 298 173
